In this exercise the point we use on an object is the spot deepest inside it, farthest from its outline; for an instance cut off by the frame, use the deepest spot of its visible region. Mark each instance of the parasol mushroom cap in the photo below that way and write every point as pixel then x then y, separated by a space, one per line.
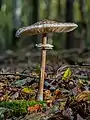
pixel 46 26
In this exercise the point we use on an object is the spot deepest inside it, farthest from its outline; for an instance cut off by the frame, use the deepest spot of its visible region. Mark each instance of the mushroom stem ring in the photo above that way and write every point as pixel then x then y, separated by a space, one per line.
pixel 44 27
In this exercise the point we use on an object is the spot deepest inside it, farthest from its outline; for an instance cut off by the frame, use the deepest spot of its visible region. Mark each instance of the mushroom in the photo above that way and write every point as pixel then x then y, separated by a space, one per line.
pixel 43 27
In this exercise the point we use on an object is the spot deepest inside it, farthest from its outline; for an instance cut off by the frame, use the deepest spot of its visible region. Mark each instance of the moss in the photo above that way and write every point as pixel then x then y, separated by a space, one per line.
pixel 19 107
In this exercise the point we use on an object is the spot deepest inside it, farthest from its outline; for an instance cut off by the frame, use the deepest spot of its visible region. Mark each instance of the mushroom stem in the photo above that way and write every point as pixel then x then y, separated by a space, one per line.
pixel 41 85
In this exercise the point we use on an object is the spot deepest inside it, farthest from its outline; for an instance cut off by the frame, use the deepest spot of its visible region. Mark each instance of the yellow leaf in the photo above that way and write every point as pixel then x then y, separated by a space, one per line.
pixel 67 74
pixel 27 90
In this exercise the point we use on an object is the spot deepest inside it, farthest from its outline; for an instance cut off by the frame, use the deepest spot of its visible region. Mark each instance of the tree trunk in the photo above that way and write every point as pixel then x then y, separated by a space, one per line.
pixel 35 11
pixel 16 13
pixel 83 32
pixel 34 17
pixel 82 9
pixel 1 4
pixel 69 18
pixel 48 16
pixel 59 10
pixel 88 24
pixel 48 8
pixel 16 21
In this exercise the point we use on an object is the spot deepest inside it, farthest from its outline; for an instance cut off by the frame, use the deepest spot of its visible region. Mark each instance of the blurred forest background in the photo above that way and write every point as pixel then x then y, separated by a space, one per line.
pixel 19 13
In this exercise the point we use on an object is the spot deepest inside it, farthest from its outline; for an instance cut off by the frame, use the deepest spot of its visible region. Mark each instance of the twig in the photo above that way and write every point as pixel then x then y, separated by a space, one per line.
pixel 81 77
pixel 15 74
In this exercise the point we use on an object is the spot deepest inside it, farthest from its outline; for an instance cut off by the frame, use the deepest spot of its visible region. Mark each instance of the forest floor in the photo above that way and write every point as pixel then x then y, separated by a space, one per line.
pixel 66 88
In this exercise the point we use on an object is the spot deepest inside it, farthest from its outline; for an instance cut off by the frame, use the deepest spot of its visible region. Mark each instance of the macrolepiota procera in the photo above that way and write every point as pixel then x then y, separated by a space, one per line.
pixel 44 27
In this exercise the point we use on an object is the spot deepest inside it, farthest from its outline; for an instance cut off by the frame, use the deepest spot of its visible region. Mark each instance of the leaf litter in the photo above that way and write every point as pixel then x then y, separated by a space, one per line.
pixel 66 88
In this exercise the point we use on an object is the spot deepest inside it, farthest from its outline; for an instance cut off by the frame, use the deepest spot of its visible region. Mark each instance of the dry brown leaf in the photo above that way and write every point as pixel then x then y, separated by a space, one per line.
pixel 58 94
pixel 47 95
pixel 35 108
pixel 83 96
pixel 49 103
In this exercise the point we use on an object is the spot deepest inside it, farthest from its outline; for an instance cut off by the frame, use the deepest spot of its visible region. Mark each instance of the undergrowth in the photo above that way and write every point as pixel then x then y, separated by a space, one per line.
pixel 19 107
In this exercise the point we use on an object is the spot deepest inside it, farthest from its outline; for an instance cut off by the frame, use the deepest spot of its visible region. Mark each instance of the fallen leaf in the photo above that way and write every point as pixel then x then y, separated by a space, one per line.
pixel 35 108
pixel 15 95
pixel 67 74
pixel 83 96
pixel 47 95
pixel 58 94
pixel 49 103
pixel 27 90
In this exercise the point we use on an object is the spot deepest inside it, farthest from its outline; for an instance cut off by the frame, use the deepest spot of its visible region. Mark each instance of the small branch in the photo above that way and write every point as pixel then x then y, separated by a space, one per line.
pixel 14 74
pixel 82 77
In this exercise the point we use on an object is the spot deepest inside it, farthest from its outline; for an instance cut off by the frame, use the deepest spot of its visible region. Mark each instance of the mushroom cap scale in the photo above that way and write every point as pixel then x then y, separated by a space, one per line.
pixel 46 26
